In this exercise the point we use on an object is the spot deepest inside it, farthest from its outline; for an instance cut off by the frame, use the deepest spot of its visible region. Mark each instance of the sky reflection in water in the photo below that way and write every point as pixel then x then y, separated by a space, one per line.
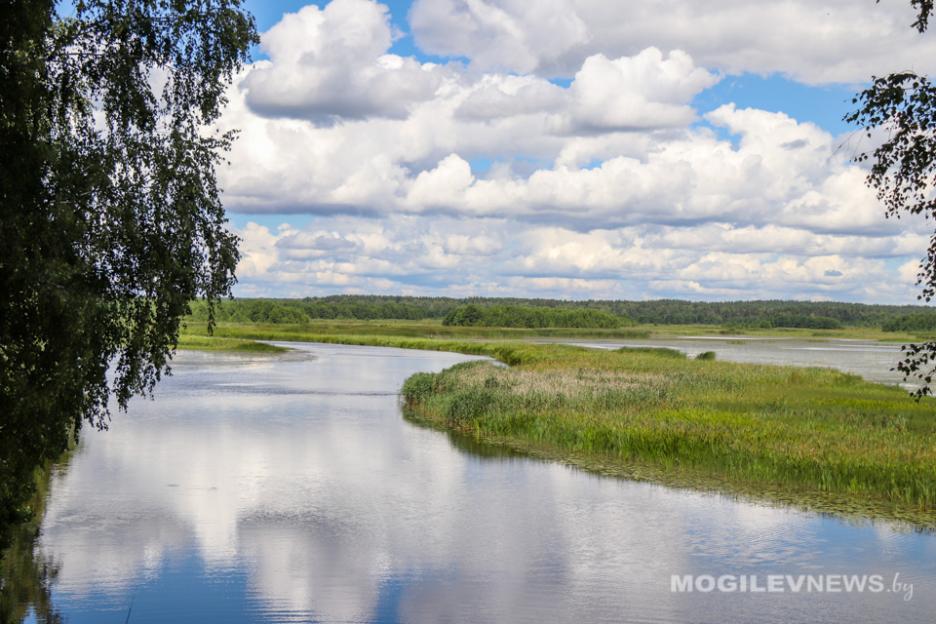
pixel 292 490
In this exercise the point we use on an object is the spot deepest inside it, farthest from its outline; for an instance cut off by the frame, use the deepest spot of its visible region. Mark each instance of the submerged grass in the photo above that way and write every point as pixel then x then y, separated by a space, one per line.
pixel 813 437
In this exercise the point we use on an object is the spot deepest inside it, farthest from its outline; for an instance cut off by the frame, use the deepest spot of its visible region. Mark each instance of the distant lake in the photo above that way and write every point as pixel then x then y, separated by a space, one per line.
pixel 291 489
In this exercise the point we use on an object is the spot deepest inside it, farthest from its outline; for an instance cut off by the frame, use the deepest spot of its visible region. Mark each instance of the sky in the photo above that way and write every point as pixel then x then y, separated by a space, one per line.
pixel 572 149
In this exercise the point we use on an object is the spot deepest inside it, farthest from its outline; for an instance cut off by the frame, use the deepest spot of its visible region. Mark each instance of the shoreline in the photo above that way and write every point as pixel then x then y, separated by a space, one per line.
pixel 810 437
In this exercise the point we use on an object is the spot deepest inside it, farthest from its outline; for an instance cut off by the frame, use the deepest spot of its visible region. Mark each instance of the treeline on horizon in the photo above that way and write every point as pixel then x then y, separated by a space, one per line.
pixel 741 314
pixel 538 317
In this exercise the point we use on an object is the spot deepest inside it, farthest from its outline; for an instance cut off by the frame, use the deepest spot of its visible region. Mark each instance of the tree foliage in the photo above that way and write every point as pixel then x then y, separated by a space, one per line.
pixel 110 215
pixel 924 9
pixel 901 108
pixel 922 322
pixel 738 314
pixel 532 317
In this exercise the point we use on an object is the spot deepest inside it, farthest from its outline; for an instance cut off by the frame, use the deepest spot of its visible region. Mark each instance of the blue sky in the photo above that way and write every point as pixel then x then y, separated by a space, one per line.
pixel 268 13
pixel 568 148
pixel 824 105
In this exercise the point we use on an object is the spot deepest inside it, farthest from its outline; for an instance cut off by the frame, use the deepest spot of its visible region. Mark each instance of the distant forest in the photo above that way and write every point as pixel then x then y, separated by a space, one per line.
pixel 750 314
pixel 533 316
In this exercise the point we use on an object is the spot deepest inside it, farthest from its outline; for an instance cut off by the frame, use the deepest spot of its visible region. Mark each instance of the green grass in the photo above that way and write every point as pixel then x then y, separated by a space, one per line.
pixel 817 438
pixel 192 342
pixel 660 351
pixel 412 329
pixel 849 333
pixel 435 329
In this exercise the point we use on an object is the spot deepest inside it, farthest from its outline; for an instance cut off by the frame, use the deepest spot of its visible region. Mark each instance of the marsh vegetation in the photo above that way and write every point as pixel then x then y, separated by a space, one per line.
pixel 816 437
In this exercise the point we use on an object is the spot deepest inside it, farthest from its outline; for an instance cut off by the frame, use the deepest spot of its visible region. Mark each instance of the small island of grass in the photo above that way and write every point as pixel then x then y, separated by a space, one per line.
pixel 817 438
pixel 193 342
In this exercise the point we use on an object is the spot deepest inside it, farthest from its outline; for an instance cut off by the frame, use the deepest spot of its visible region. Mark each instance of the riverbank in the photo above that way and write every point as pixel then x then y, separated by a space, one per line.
pixel 816 438
pixel 409 329
pixel 309 453
pixel 25 576
pixel 435 329
pixel 194 342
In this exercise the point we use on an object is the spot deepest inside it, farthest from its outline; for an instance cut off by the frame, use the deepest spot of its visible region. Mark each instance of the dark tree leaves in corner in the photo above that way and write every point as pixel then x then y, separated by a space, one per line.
pixel 111 216
pixel 902 108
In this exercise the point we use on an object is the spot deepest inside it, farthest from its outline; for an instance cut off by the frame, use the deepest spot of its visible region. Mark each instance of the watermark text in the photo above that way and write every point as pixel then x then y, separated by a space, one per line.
pixel 792 583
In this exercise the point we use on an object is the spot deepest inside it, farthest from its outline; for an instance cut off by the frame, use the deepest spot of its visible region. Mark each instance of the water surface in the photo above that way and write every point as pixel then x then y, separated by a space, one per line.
pixel 290 489
pixel 867 358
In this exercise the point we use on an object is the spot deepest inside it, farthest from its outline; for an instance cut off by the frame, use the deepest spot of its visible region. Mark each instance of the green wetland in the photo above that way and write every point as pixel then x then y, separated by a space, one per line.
pixel 819 438
pixel 814 437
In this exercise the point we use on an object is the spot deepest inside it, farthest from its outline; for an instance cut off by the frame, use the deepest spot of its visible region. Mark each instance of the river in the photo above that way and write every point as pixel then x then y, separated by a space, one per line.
pixel 868 358
pixel 291 489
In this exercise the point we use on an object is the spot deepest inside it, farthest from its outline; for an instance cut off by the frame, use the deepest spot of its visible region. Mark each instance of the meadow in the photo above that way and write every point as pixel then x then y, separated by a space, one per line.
pixel 433 328
pixel 816 438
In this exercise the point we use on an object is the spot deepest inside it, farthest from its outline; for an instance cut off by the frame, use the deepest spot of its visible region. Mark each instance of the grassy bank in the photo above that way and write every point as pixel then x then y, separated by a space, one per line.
pixel 435 329
pixel 410 329
pixel 791 333
pixel 813 437
pixel 194 342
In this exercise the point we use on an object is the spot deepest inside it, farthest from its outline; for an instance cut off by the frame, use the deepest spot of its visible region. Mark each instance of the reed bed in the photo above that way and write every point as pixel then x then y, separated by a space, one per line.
pixel 816 436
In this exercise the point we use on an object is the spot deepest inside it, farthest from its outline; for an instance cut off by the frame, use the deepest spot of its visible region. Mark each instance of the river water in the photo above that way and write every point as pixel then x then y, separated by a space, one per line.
pixel 291 489
pixel 870 359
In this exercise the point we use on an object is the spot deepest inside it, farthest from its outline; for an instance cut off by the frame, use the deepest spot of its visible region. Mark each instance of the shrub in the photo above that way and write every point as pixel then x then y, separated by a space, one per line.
pixel 418 387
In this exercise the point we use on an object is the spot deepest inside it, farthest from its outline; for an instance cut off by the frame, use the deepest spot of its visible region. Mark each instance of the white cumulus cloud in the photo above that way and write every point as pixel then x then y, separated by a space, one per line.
pixel 815 41
pixel 484 177
pixel 333 63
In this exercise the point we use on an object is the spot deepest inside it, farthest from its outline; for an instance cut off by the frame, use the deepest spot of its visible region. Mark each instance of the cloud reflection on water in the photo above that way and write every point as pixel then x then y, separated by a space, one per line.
pixel 333 508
